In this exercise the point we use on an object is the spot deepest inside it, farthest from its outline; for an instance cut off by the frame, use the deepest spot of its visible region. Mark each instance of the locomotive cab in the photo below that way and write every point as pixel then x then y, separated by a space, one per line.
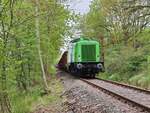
pixel 84 57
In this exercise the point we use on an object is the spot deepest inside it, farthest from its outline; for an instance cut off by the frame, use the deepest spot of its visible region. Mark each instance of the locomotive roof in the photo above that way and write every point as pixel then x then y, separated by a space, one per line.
pixel 80 39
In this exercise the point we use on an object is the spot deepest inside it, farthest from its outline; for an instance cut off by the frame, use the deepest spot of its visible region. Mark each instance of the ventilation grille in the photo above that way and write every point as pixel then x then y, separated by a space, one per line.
pixel 88 53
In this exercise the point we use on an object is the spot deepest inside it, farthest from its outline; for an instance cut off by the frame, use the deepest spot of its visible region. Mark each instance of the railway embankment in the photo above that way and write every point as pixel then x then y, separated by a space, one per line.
pixel 80 97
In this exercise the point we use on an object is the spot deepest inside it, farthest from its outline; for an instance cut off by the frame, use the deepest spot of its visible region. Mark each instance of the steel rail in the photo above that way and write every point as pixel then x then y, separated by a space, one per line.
pixel 125 99
pixel 126 85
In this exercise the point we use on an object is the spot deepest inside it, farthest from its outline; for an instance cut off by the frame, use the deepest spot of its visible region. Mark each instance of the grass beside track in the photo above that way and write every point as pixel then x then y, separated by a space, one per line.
pixel 28 102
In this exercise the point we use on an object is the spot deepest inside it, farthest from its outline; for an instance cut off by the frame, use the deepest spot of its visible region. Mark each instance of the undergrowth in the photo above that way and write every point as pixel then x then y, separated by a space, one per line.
pixel 125 63
pixel 26 102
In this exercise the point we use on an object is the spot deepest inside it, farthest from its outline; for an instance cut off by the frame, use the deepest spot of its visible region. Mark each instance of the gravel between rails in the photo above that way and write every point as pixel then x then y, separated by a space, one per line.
pixel 83 98
pixel 140 97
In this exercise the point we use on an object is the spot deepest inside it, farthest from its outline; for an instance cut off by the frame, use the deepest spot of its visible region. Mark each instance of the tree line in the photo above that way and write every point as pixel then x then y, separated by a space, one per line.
pixel 120 20
pixel 31 32
pixel 123 29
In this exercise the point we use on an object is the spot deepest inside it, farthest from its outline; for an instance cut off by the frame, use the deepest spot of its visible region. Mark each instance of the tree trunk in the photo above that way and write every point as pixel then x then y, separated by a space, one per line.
pixel 102 50
pixel 38 44
pixel 4 99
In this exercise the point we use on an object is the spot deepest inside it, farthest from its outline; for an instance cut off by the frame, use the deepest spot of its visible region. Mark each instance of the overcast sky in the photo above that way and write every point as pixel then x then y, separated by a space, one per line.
pixel 79 6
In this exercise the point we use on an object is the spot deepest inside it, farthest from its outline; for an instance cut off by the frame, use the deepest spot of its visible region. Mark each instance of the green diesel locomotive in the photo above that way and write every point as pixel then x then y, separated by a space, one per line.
pixel 83 58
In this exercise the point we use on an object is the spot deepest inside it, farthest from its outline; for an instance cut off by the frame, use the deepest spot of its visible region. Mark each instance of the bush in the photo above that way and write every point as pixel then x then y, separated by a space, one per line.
pixel 115 77
pixel 129 64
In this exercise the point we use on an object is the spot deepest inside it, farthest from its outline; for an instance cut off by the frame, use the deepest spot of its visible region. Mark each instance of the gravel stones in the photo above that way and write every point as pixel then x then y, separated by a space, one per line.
pixel 83 98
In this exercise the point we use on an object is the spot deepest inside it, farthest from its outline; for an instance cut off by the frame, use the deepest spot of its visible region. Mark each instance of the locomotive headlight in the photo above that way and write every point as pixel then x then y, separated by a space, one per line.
pixel 79 66
pixel 99 66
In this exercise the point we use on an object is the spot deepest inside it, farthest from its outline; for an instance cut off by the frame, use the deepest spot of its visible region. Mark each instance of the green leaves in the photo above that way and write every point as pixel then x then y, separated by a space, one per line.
pixel 18 44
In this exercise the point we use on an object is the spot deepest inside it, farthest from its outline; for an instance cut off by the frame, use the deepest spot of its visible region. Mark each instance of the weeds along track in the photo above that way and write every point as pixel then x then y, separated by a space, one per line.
pixel 135 97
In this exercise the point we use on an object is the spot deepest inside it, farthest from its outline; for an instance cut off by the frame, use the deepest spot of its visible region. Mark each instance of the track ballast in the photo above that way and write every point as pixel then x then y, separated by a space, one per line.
pixel 131 95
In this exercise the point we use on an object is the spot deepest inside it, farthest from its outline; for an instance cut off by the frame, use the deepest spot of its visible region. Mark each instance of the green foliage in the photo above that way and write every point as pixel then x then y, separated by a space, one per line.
pixel 26 102
pixel 125 63
pixel 135 62
pixel 19 61
pixel 94 22
pixel 115 77
pixel 1 48
pixel 126 38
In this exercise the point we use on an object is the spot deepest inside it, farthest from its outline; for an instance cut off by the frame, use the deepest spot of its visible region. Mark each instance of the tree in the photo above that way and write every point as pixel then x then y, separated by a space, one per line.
pixel 31 33
pixel 39 45
pixel 121 20
pixel 5 29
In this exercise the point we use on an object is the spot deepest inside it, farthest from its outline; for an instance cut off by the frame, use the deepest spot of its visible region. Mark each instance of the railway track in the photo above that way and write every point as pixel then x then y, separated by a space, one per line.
pixel 134 96
pixel 126 86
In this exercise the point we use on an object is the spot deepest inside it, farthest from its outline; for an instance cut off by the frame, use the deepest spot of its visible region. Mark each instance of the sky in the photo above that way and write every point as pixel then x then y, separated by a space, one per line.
pixel 79 6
